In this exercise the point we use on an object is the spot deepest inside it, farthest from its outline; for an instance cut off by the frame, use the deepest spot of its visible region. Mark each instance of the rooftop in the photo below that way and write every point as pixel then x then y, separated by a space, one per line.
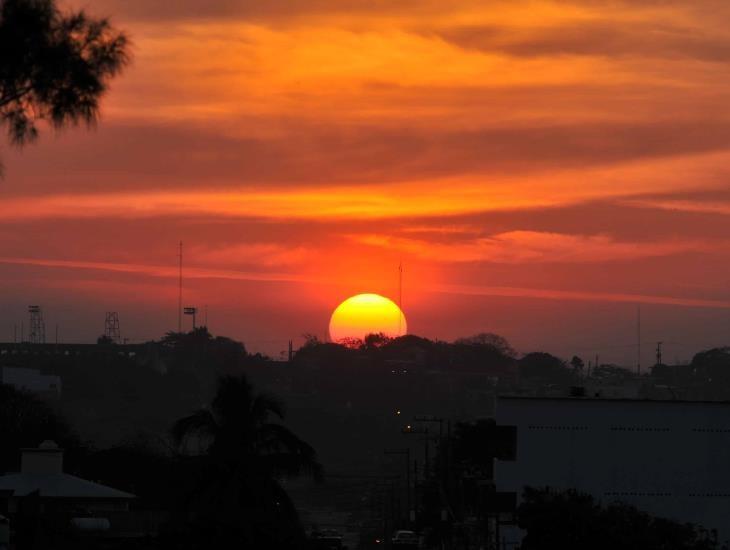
pixel 602 399
pixel 57 485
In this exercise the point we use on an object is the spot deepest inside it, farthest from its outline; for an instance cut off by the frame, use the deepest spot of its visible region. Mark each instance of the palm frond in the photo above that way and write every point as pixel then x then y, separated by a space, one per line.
pixel 201 422
pixel 234 396
pixel 265 403
pixel 287 453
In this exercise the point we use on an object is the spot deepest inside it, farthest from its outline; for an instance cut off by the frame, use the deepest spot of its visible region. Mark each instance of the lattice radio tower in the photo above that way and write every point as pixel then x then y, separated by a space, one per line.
pixel 37 325
pixel 111 327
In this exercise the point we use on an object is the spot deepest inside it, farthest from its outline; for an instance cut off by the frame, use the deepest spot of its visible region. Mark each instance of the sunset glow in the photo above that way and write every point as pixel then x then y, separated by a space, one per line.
pixel 305 149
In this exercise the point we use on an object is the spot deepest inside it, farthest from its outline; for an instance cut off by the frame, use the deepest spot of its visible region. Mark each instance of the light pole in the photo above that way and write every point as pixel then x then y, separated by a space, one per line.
pixel 191 311
pixel 444 454
pixel 410 430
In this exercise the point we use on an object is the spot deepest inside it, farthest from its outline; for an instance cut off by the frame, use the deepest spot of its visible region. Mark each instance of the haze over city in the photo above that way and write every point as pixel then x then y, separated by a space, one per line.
pixel 564 164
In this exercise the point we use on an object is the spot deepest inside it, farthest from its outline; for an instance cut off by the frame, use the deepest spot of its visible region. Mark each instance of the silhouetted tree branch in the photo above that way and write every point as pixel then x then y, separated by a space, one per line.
pixel 54 67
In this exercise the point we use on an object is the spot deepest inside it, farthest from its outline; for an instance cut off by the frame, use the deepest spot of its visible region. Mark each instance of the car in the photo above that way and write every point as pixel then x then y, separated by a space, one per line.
pixel 329 539
pixel 404 539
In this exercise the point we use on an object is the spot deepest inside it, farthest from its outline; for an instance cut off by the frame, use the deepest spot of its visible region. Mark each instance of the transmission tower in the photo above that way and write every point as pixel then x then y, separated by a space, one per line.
pixel 37 325
pixel 111 327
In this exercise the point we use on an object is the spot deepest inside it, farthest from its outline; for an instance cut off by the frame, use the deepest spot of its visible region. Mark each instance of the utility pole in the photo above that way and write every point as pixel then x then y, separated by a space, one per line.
pixel 659 353
pixel 410 430
pixel 407 453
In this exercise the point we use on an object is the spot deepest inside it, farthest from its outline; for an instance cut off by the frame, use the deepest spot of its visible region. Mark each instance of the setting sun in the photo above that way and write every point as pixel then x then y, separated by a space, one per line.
pixel 366 314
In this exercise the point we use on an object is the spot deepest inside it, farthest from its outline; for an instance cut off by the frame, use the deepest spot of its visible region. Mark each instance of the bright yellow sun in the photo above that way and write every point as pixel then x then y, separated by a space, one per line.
pixel 366 314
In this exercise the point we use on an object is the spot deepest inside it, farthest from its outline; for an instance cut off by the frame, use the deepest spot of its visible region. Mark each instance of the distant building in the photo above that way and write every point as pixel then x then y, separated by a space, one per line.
pixel 55 503
pixel 669 458
pixel 31 380
pixel 41 474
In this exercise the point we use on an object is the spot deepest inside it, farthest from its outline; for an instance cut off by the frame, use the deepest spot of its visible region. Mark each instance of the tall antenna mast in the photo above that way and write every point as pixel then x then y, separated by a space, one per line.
pixel 179 296
pixel 638 339
pixel 400 297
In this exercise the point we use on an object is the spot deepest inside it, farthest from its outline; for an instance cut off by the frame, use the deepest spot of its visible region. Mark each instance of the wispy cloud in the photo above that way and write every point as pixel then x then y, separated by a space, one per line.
pixel 157 270
pixel 583 296
pixel 168 272
pixel 260 254
pixel 518 247
pixel 683 205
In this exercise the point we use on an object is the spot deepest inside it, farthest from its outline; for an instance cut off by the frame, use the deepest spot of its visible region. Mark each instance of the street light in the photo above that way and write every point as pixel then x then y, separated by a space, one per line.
pixel 191 311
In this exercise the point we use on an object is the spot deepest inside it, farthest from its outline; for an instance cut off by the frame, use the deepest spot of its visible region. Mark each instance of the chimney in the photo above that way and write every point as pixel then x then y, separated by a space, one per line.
pixel 46 459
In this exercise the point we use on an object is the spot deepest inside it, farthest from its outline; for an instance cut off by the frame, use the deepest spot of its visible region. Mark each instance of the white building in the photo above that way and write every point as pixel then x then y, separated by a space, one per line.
pixel 41 474
pixel 669 458
pixel 31 380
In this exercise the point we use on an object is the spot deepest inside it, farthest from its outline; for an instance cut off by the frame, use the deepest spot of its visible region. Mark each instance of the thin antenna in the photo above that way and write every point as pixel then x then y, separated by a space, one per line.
pixel 206 315
pixel 179 296
pixel 638 339
pixel 400 297
pixel 659 353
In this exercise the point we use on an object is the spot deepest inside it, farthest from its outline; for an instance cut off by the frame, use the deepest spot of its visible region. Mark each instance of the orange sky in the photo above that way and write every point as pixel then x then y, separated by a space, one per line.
pixel 538 167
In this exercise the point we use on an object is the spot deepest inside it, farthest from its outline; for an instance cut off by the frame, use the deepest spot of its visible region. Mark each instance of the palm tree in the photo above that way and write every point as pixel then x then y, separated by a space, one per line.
pixel 235 490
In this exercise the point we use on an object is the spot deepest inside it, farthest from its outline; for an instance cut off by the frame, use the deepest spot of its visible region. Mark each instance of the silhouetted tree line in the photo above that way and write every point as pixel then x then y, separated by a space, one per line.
pixel 25 421
pixel 568 520
pixel 111 392
pixel 485 353
pixel 54 66
pixel 707 376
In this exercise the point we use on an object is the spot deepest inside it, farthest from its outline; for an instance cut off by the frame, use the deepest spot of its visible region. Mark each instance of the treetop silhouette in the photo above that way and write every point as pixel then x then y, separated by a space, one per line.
pixel 54 66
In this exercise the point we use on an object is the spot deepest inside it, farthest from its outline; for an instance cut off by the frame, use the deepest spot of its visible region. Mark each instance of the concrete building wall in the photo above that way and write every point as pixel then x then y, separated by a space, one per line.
pixel 669 458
